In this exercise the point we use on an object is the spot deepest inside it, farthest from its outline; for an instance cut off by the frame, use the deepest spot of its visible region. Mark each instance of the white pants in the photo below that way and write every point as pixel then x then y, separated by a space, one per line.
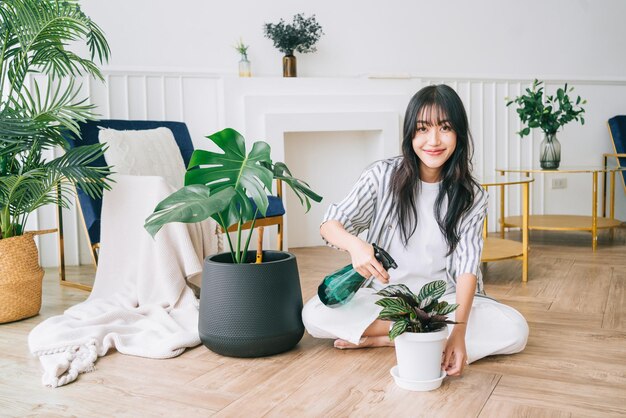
pixel 493 328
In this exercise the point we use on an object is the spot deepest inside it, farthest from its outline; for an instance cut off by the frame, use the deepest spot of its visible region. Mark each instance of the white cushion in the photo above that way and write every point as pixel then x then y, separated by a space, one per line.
pixel 149 152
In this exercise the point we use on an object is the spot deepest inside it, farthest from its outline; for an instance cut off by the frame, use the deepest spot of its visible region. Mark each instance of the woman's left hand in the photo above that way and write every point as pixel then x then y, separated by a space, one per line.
pixel 455 354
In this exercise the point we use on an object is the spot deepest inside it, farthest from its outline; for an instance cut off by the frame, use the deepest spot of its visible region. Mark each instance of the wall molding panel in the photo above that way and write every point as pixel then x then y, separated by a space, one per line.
pixel 208 102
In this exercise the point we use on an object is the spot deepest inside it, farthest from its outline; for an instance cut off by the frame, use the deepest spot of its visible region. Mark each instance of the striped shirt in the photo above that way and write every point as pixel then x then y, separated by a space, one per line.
pixel 369 206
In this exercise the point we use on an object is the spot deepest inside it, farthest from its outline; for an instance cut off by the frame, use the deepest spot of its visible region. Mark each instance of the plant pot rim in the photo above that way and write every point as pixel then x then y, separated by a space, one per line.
pixel 425 336
pixel 211 258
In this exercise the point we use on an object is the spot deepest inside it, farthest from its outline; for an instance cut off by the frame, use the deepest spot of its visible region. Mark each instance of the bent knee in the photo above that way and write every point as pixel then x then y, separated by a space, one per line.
pixel 519 337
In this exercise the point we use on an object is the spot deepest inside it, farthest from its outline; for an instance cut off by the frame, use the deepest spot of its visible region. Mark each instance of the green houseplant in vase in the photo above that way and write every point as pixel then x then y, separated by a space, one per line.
pixel 247 309
pixel 419 332
pixel 35 117
pixel 300 35
pixel 244 64
pixel 549 114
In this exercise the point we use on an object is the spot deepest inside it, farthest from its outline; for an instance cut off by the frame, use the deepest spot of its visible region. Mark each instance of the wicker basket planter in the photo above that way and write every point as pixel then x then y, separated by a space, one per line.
pixel 20 277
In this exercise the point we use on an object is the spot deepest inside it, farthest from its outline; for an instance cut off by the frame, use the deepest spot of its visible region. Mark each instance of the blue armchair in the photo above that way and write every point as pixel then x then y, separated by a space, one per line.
pixel 617 131
pixel 91 208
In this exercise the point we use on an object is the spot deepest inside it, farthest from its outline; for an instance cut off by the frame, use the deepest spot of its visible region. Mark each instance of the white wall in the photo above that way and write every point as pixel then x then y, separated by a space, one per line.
pixel 525 39
pixel 174 60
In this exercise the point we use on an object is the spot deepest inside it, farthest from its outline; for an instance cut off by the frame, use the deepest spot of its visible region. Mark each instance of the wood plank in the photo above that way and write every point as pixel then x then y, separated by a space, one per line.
pixel 586 290
pixel 545 279
pixel 614 314
pixel 575 398
pixel 499 409
pixel 457 397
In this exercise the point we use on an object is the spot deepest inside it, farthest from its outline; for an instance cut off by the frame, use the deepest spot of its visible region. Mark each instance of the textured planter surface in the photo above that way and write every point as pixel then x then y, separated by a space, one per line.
pixel 20 278
pixel 419 354
pixel 251 310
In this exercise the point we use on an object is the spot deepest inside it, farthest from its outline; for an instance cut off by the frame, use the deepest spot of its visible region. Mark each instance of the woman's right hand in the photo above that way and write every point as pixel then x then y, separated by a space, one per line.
pixel 365 263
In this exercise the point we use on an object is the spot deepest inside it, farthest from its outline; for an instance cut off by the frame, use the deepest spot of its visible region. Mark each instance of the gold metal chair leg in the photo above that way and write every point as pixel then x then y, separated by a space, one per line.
pixel 502 211
pixel 594 213
pixel 62 272
pixel 61 244
pixel 525 214
pixel 612 203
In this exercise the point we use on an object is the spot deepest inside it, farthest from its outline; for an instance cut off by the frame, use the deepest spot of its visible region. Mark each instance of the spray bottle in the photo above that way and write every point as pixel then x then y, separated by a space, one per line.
pixel 339 287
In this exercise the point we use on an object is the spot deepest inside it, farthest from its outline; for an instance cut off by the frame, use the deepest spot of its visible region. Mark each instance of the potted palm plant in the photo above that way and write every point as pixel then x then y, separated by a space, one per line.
pixel 300 35
pixel 35 117
pixel 419 332
pixel 548 114
pixel 247 309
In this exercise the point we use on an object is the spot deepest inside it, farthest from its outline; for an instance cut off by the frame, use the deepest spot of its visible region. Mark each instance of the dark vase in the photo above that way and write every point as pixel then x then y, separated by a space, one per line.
pixel 251 310
pixel 550 152
pixel 289 66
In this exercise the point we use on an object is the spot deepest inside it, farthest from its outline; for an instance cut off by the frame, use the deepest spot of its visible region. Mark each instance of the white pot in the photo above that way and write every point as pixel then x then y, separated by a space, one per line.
pixel 420 354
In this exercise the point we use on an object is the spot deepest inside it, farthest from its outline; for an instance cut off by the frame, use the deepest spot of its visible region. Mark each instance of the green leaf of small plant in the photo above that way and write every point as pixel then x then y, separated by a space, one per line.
pixel 385 302
pixel 447 309
pixel 434 290
pixel 399 291
pixel 427 301
pixel 398 328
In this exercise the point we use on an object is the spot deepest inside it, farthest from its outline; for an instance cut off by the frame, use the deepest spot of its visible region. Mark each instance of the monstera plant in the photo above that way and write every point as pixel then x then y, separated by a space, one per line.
pixel 247 309
pixel 231 187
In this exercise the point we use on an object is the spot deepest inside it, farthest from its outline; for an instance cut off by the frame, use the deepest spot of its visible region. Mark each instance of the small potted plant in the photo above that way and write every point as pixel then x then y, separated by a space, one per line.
pixel 549 114
pixel 301 36
pixel 247 309
pixel 244 63
pixel 419 332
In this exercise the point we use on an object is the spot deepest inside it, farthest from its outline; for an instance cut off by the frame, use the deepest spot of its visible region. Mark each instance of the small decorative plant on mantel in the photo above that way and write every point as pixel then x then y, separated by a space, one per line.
pixel 244 63
pixel 548 114
pixel 419 331
pixel 301 36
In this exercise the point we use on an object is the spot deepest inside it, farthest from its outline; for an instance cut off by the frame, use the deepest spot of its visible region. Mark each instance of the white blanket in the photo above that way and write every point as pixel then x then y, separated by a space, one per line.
pixel 140 303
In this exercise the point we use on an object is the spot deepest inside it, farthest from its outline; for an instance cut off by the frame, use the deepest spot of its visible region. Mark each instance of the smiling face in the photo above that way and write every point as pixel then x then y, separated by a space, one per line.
pixel 434 143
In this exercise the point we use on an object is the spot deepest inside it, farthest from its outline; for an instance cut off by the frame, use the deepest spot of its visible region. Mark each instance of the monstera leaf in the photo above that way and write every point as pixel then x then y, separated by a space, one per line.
pixel 234 169
pixel 221 185
pixel 300 188
pixel 190 204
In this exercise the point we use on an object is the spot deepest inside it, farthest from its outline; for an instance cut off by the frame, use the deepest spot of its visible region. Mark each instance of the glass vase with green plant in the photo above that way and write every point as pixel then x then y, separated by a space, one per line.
pixel 244 63
pixel 300 35
pixel 548 113
pixel 36 116
pixel 224 186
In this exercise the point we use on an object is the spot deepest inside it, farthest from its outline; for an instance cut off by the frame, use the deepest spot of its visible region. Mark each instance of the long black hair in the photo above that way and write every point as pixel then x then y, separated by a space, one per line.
pixel 457 183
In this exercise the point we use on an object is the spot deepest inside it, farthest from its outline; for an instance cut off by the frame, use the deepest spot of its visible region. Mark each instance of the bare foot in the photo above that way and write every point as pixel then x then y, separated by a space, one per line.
pixel 364 342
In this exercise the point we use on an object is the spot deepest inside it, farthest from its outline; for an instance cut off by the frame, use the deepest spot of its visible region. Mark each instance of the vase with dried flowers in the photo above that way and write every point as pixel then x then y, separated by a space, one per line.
pixel 300 35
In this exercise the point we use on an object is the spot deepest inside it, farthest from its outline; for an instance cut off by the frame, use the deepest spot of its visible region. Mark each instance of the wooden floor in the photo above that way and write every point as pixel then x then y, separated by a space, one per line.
pixel 574 364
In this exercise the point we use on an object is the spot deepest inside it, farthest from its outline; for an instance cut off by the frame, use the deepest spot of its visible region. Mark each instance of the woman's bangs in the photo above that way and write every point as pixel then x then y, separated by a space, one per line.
pixel 432 114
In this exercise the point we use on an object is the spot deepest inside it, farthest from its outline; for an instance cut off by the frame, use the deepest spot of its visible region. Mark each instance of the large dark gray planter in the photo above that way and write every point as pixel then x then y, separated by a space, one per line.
pixel 251 310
